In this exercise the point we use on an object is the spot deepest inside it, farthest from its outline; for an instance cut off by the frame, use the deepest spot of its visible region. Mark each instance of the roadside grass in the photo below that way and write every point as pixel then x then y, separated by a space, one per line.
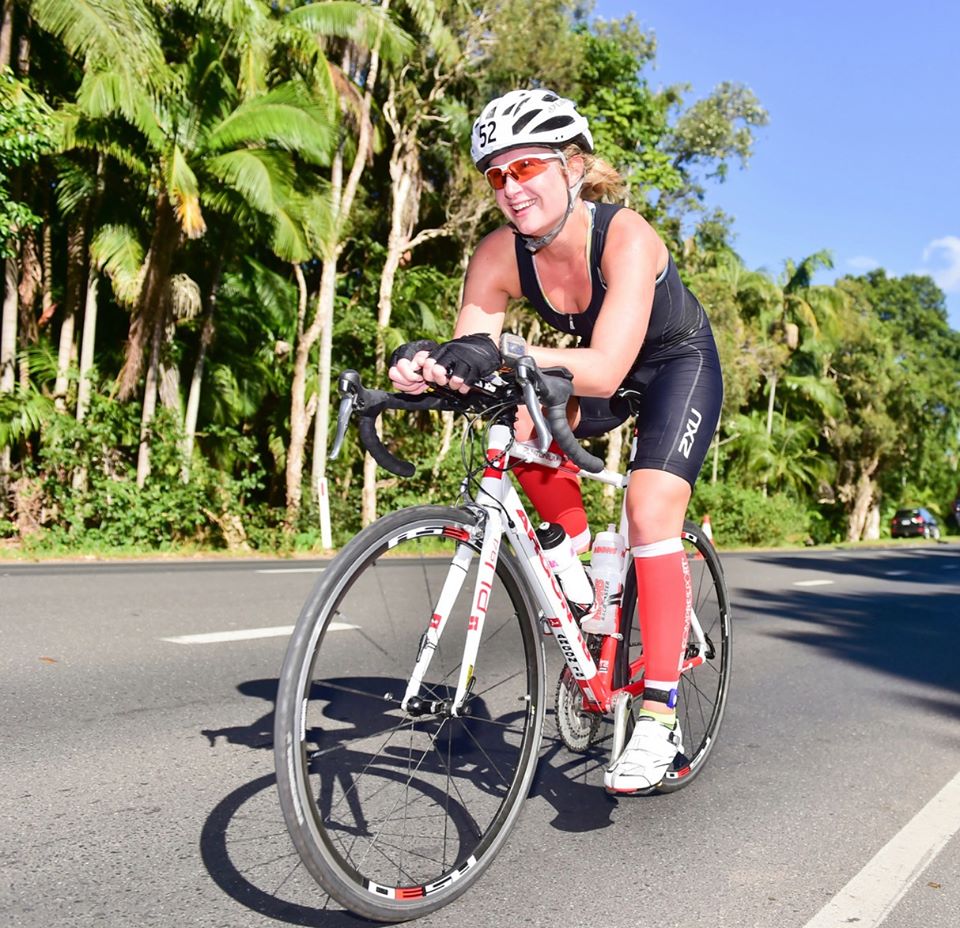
pixel 15 550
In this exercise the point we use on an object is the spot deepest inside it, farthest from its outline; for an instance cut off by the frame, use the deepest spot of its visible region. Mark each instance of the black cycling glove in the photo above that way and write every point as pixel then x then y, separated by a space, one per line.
pixel 469 357
pixel 407 351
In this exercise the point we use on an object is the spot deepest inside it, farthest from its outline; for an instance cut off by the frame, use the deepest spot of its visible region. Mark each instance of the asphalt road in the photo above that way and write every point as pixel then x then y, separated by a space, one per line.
pixel 138 787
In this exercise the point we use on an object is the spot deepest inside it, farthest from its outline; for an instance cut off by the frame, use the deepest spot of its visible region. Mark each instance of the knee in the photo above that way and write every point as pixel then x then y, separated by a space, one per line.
pixel 655 514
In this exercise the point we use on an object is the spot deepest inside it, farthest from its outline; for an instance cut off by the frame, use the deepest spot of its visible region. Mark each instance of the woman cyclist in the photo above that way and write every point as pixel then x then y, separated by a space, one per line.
pixel 601 272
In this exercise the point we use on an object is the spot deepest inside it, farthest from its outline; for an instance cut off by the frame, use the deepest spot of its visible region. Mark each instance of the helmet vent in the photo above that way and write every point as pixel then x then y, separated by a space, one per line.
pixel 521 123
pixel 554 122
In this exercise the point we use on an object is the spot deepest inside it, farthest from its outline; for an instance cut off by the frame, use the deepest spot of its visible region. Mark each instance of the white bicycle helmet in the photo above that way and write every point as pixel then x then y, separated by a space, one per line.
pixel 527 117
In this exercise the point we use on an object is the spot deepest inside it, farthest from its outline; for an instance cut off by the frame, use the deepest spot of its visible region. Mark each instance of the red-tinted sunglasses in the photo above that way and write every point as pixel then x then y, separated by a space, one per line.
pixel 520 169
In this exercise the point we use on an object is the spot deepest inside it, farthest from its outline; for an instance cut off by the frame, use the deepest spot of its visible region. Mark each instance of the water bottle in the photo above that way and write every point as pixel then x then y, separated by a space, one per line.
pixel 606 566
pixel 560 554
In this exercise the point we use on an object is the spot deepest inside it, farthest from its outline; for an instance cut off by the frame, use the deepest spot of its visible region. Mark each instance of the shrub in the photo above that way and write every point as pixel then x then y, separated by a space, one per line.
pixel 741 516
pixel 90 496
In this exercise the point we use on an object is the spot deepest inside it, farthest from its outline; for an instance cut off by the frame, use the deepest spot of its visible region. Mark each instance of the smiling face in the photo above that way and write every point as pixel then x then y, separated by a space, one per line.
pixel 536 204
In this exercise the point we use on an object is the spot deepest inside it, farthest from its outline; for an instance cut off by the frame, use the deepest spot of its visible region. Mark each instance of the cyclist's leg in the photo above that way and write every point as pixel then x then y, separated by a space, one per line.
pixel 555 494
pixel 677 416
pixel 394 810
pixel 656 504
pixel 705 679
pixel 678 413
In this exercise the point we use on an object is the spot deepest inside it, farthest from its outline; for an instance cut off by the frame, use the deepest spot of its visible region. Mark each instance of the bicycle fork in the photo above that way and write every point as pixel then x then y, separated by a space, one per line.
pixel 456 575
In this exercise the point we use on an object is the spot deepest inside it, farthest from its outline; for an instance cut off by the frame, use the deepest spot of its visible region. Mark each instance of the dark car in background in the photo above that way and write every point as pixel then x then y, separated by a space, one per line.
pixel 913 523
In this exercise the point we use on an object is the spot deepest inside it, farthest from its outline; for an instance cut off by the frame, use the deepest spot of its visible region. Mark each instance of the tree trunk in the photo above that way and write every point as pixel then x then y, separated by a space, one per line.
pixel 8 328
pixel 772 382
pixel 151 309
pixel 150 390
pixel 88 346
pixel 196 381
pixel 28 288
pixel 448 419
pixel 300 416
pixel 47 306
pixel 342 203
pixel 76 267
pixel 862 500
pixel 6 34
pixel 8 357
pixel 405 188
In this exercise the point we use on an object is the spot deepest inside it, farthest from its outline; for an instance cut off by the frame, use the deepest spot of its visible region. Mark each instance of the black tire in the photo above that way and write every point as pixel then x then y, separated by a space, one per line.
pixel 702 694
pixel 396 814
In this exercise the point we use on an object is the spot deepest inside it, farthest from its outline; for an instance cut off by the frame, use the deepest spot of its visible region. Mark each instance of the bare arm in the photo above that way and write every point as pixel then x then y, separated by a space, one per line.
pixel 491 280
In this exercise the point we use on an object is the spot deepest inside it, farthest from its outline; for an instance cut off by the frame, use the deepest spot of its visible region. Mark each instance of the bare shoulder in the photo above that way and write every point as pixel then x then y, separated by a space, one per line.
pixel 632 239
pixel 493 264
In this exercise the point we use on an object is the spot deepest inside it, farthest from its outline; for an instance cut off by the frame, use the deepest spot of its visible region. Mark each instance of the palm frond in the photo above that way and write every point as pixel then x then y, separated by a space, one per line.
pixel 119 32
pixel 430 22
pixel 76 184
pixel 346 19
pixel 821 392
pixel 185 194
pixel 290 241
pixel 23 413
pixel 257 174
pixel 286 118
pixel 117 251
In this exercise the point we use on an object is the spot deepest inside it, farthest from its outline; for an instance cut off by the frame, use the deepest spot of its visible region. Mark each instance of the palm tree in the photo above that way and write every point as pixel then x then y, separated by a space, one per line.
pixel 203 142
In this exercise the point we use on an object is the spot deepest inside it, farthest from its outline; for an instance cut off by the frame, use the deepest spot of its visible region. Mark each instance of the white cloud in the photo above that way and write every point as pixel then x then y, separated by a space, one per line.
pixel 862 263
pixel 944 256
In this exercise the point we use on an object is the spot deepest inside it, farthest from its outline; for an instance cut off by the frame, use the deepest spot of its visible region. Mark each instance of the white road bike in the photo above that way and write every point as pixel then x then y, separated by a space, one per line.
pixel 412 697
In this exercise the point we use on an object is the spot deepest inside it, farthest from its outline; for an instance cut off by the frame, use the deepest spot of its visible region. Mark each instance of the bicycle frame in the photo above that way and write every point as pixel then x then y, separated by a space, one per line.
pixel 503 514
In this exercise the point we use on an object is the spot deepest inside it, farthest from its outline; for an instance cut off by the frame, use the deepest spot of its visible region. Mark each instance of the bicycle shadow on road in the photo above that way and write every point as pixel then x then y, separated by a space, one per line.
pixel 255 879
pixel 245 847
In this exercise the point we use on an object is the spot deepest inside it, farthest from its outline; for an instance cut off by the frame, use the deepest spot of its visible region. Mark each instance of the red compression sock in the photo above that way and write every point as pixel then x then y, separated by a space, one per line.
pixel 663 605
pixel 556 496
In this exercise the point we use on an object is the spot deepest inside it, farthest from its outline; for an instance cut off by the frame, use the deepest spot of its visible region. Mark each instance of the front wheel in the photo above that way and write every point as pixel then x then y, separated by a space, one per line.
pixel 396 811
pixel 702 693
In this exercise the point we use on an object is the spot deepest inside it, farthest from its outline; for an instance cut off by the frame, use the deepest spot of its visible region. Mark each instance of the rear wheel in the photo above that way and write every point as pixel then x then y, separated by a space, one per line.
pixel 702 693
pixel 394 811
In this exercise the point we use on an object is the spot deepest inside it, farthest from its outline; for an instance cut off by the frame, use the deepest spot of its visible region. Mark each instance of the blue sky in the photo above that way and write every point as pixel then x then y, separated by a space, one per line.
pixel 862 152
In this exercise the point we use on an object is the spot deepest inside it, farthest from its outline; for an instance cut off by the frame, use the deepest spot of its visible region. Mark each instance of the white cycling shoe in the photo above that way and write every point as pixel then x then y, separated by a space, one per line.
pixel 645 759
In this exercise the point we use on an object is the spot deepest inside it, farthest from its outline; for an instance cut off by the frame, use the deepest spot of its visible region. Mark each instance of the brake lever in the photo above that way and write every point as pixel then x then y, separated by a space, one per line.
pixel 349 386
pixel 526 368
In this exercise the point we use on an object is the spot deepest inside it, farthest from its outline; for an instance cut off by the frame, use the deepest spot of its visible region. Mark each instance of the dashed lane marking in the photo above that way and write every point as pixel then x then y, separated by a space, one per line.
pixel 248 634
pixel 812 582
pixel 875 891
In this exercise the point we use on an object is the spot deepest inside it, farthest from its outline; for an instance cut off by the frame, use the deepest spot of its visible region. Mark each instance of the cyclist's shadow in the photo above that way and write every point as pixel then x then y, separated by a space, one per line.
pixel 247 824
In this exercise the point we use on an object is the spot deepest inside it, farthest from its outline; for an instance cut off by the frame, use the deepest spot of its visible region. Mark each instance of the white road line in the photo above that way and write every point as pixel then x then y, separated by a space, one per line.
pixel 895 573
pixel 247 634
pixel 291 570
pixel 812 582
pixel 874 892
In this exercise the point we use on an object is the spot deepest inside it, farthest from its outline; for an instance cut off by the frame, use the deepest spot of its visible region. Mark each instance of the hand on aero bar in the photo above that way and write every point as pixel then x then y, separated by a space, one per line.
pixel 459 363
pixel 406 365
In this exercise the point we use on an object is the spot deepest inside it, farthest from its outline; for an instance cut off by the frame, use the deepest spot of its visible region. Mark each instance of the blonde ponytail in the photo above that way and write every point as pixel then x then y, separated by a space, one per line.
pixel 601 180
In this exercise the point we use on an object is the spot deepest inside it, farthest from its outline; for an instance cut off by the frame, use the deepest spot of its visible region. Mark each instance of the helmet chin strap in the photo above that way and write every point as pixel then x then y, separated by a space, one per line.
pixel 533 243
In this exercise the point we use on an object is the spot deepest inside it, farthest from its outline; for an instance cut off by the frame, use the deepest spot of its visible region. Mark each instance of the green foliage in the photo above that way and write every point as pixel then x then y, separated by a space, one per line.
pixel 233 110
pixel 27 130
pixel 87 481
pixel 743 516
